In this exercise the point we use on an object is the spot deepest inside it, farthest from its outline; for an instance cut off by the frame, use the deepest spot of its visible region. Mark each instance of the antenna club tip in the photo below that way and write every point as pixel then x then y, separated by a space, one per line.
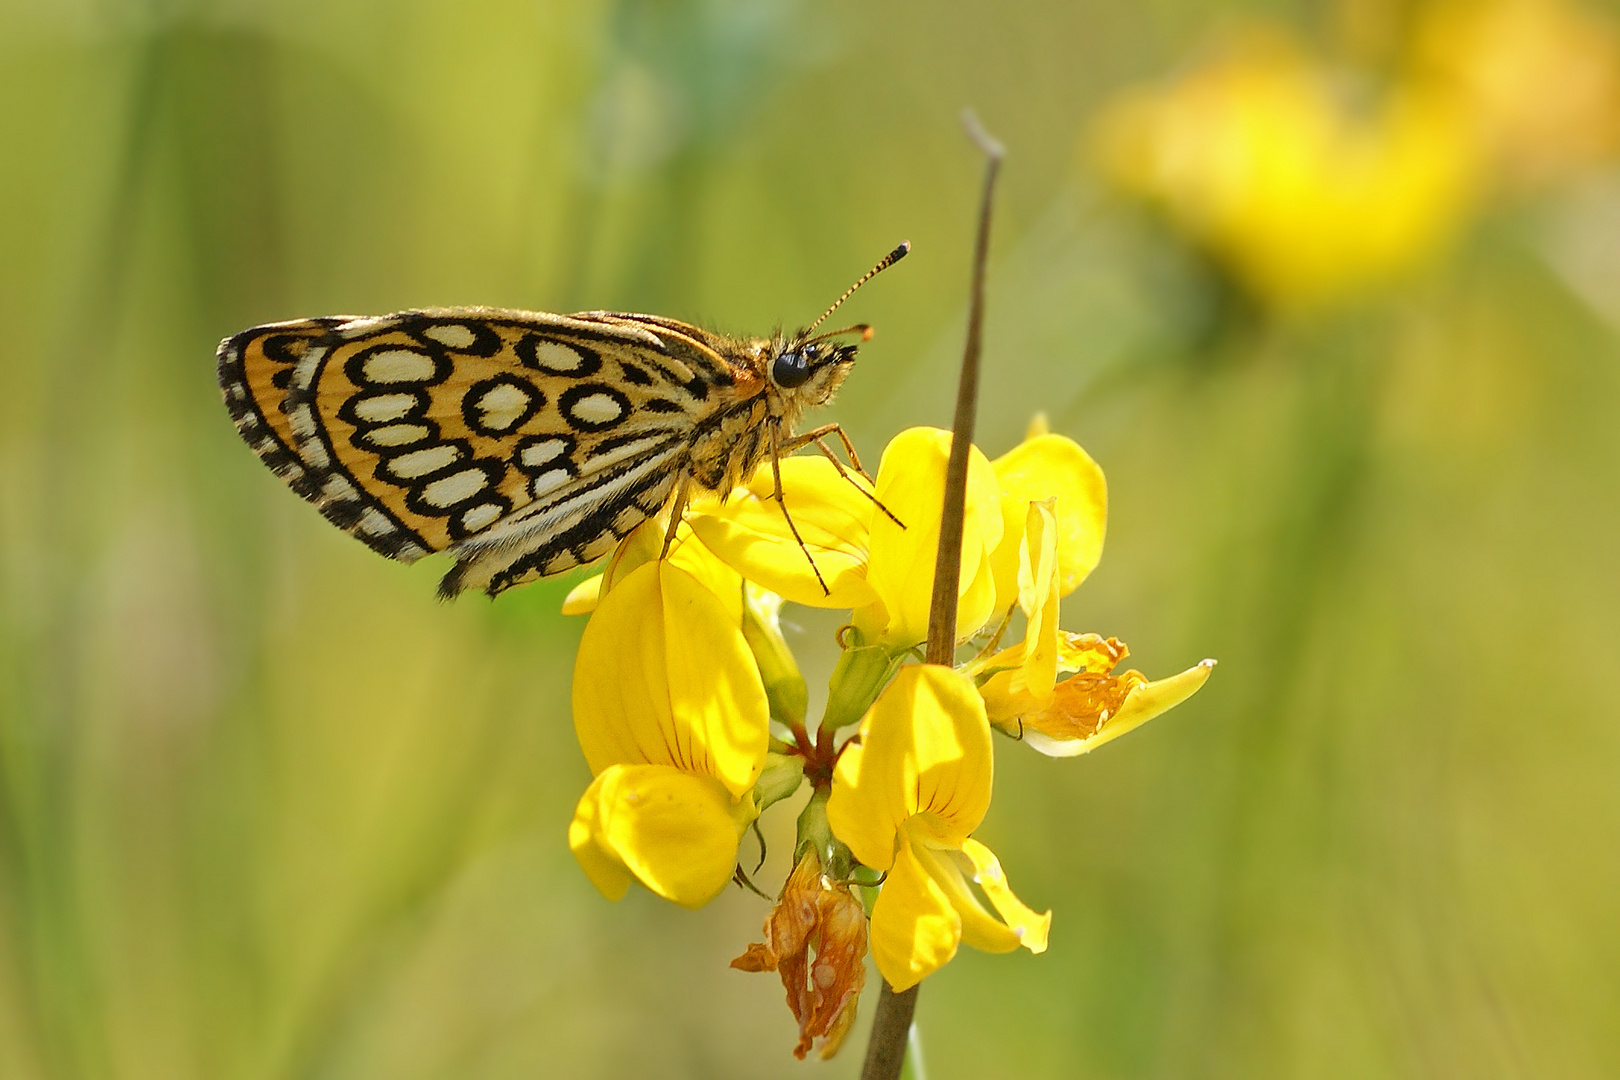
pixel 900 251
pixel 866 333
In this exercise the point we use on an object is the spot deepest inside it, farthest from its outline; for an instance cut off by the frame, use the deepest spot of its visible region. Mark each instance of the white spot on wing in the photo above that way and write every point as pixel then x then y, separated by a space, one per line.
pixel 397 434
pixel 555 356
pixel 596 409
pixel 536 455
pixel 456 488
pixel 304 373
pixel 599 546
pixel 373 523
pixel 424 461
pixel 302 422
pixel 602 462
pixel 628 519
pixel 337 487
pixel 481 516
pixel 384 407
pixel 547 482
pixel 399 366
pixel 454 335
pixel 502 405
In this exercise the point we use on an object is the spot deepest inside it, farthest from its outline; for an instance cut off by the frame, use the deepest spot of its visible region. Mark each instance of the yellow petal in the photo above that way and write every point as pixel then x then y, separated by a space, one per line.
pixel 750 533
pixel 675 832
pixel 645 544
pixel 911 483
pixel 915 929
pixel 688 553
pixel 1051 466
pixel 603 867
pixel 1029 928
pixel 1038 588
pixel 977 602
pixel 924 748
pixel 1141 704
pixel 1089 652
pixel 582 598
pixel 976 926
pixel 664 676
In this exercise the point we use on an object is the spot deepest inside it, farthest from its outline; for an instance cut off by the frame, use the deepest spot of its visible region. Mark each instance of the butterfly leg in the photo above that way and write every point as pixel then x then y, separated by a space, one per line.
pixel 816 435
pixel 676 506
pixel 776 475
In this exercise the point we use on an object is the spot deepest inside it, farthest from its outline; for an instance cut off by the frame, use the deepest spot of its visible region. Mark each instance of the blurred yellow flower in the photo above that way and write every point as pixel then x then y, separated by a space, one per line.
pixel 908 793
pixel 1538 79
pixel 673 720
pixel 1258 157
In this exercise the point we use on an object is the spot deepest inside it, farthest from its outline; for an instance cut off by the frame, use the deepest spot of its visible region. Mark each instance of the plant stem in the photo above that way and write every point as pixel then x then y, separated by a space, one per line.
pixel 891 1026
pixel 948 559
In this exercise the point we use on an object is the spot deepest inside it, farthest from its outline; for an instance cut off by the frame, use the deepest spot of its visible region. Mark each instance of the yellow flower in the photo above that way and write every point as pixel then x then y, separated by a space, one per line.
pixel 673 720
pixel 1257 158
pixel 1062 498
pixel 1091 707
pixel 908 793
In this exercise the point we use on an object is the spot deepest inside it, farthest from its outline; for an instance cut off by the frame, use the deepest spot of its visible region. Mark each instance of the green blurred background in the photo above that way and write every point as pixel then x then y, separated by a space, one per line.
pixel 267 809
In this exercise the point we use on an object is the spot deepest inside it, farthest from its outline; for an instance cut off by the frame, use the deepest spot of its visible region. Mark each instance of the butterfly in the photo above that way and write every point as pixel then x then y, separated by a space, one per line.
pixel 523 443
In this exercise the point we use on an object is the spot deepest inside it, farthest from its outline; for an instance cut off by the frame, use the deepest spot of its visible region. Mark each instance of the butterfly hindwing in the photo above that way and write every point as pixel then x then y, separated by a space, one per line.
pixel 525 443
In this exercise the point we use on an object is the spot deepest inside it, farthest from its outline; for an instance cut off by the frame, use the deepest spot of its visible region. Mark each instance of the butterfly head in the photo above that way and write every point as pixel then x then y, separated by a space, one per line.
pixel 809 370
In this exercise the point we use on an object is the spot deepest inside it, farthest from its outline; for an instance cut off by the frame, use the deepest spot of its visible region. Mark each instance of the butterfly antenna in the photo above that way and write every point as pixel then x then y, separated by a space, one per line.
pixel 859 328
pixel 888 260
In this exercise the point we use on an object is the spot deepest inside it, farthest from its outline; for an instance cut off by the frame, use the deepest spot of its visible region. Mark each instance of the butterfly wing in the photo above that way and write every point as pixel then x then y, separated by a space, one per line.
pixel 524 443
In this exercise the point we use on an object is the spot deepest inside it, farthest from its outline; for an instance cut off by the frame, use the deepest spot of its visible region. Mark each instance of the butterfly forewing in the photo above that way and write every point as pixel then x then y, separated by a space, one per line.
pixel 526 443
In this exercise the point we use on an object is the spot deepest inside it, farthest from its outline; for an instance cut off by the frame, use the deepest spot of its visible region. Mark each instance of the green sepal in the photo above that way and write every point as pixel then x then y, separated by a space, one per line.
pixel 781 777
pixel 784 686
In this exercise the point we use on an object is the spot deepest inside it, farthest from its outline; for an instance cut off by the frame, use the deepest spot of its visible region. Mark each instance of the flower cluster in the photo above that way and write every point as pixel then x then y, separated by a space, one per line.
pixel 1310 182
pixel 692 713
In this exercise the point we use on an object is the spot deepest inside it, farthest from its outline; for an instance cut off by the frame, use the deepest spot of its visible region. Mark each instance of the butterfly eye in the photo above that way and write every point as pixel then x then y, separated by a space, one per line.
pixel 792 369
